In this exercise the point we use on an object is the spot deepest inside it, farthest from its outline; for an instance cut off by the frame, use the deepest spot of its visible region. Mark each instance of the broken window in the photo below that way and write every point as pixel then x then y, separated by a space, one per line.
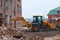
pixel 19 0
pixel 0 2
pixel 6 3
pixel 10 4
pixel 14 11
pixel 0 22
pixel 6 18
pixel 1 14
pixel 18 9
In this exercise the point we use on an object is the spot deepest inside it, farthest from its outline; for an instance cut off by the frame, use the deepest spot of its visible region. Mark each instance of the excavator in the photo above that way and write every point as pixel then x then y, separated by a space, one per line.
pixel 37 24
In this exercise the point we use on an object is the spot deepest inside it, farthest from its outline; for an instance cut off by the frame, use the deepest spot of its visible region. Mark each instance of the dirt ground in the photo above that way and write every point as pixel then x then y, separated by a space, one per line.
pixel 9 34
pixel 42 35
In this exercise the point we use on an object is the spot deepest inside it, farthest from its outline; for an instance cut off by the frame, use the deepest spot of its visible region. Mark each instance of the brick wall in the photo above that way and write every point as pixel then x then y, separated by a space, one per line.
pixel 53 16
pixel 7 8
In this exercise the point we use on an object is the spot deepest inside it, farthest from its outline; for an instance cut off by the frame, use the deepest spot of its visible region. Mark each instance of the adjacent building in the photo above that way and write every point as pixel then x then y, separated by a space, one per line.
pixel 54 15
pixel 10 9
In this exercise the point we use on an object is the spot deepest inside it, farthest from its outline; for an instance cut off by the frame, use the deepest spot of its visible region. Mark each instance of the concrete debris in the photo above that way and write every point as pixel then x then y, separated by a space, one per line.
pixel 11 33
pixel 57 37
pixel 49 38
pixel 8 37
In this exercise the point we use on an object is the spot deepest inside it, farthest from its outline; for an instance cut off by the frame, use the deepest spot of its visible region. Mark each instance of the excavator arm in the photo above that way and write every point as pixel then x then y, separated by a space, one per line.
pixel 51 25
pixel 23 20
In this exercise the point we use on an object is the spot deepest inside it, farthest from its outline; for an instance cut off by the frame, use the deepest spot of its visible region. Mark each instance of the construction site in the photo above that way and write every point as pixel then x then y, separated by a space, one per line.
pixel 13 26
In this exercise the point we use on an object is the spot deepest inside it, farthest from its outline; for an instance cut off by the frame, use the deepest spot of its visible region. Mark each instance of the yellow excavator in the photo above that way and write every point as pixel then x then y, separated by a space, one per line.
pixel 37 24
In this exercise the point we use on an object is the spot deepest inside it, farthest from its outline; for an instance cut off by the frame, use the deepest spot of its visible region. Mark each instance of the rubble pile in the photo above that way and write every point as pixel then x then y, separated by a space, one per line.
pixel 11 33
pixel 8 37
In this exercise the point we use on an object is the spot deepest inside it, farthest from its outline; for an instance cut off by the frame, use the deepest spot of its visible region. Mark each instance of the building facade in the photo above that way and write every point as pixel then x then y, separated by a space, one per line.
pixel 54 15
pixel 10 9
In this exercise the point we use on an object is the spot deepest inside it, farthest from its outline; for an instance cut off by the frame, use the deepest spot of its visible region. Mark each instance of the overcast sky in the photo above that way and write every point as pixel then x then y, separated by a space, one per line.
pixel 33 7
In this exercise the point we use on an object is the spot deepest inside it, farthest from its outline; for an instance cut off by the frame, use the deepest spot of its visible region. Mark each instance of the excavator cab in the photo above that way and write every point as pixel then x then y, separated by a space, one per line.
pixel 37 19
pixel 37 22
